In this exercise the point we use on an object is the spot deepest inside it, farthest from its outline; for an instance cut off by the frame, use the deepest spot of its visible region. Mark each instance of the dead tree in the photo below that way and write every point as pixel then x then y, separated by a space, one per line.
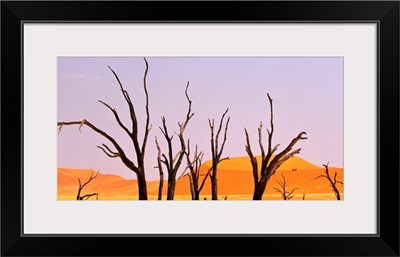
pixel 286 195
pixel 160 170
pixel 138 168
pixel 217 153
pixel 194 165
pixel 304 196
pixel 333 182
pixel 172 163
pixel 81 186
pixel 269 162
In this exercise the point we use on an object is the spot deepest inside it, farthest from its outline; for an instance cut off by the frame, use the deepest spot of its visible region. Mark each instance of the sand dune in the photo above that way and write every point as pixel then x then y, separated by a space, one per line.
pixel 235 180
pixel 104 184
pixel 243 163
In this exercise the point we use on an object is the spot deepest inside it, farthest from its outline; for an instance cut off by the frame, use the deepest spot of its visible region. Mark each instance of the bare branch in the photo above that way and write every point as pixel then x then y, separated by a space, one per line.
pixel 86 197
pixel 59 128
pixel 213 153
pixel 173 163
pixel 268 166
pixel 194 174
pixel 121 152
pixel 147 126
pixel 326 165
pixel 189 114
pixel 165 161
pixel 285 195
pixel 78 197
pixel 204 179
pixel 216 152
pixel 260 141
pixel 219 131
pixel 270 133
pixel 178 154
pixel 253 160
pixel 129 102
pixel 278 190
pixel 91 178
pixel 248 146
pixel 134 133
pixel 223 159
pixel 160 170
pixel 109 153
pixel 275 148
pixel 321 176
pixel 117 118
pixel 139 167
pixel 283 159
pixel 224 140
pixel 283 156
pixel 332 183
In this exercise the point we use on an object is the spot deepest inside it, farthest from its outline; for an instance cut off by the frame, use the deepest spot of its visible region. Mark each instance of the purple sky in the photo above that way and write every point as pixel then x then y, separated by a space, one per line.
pixel 307 94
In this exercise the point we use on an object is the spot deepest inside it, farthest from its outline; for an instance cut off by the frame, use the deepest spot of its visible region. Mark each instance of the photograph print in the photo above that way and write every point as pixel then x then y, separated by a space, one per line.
pixel 200 128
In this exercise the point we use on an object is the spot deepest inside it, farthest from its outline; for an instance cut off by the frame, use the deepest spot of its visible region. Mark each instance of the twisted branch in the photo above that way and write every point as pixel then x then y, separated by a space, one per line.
pixel 78 196
pixel 269 165
pixel 332 183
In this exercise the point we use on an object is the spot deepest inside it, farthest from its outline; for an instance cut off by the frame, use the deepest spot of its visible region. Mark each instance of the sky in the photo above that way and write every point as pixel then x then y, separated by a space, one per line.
pixel 307 96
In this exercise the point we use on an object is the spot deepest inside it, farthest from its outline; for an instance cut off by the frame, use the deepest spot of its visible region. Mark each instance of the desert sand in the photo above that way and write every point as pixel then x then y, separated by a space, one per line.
pixel 235 180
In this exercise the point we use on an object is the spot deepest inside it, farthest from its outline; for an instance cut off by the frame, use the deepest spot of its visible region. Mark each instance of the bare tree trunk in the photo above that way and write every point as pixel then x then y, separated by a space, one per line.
pixel 331 182
pixel 171 188
pixel 81 186
pixel 132 133
pixel 172 163
pixel 260 188
pixel 214 186
pixel 214 183
pixel 142 185
pixel 217 153
pixel 196 195
pixel 160 170
pixel 160 187
pixel 269 163
pixel 196 191
pixel 194 172
pixel 194 188
pixel 286 195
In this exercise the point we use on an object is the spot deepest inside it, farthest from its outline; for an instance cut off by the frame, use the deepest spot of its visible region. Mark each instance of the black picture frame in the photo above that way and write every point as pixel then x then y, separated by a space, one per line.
pixel 384 13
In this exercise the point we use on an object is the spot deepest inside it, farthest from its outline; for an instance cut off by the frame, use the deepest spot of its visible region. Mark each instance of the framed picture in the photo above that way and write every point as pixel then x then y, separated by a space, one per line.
pixel 294 101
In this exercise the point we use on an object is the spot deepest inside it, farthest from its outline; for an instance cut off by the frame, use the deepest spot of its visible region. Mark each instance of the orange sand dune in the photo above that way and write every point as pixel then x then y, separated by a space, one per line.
pixel 103 184
pixel 235 180
pixel 243 163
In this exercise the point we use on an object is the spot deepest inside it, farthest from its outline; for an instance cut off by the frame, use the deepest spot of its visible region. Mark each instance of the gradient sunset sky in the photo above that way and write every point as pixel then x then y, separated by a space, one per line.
pixel 307 96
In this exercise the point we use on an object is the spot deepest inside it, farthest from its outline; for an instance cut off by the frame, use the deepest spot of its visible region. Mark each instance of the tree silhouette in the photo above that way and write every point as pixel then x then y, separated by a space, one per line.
pixel 81 186
pixel 138 168
pixel 286 195
pixel 269 162
pixel 173 162
pixel 217 153
pixel 331 182
pixel 160 170
pixel 194 165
